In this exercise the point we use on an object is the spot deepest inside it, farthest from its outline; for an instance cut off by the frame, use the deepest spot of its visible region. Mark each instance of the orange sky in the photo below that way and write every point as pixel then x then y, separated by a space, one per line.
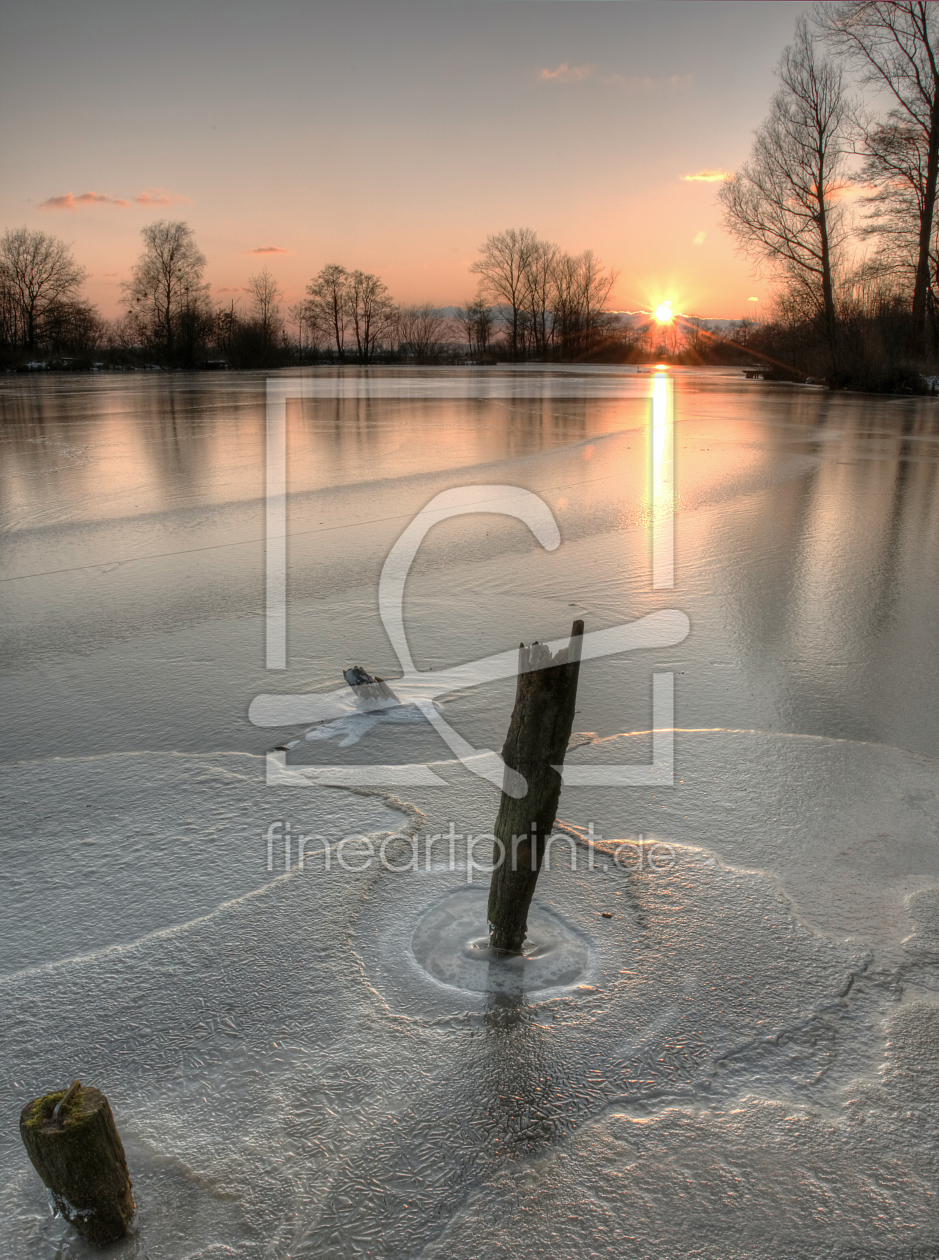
pixel 390 136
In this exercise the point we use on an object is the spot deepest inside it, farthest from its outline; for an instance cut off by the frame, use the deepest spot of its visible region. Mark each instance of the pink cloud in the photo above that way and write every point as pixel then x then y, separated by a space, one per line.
pixel 269 249
pixel 69 202
pixel 567 74
pixel 152 197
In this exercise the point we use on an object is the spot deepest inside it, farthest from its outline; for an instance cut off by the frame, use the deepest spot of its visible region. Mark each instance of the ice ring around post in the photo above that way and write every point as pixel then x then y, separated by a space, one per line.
pixel 451 943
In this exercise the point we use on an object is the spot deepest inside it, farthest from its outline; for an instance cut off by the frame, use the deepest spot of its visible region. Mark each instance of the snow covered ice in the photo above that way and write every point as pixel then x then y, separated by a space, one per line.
pixel 741 1061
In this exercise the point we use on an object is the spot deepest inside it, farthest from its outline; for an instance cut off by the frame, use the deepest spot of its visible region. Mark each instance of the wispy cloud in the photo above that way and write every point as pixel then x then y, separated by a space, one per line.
pixel 707 177
pixel 157 197
pixel 70 202
pixel 228 288
pixel 699 239
pixel 753 299
pixel 269 249
pixel 565 73
pixel 150 197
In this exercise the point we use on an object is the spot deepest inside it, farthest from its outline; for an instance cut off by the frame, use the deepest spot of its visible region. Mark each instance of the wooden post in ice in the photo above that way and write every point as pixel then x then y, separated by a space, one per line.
pixel 74 1146
pixel 537 741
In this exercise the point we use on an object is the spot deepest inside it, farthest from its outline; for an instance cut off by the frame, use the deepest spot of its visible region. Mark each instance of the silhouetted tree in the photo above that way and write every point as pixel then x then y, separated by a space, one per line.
pixel 421 332
pixel 372 314
pixel 896 164
pixel 73 326
pixel 781 205
pixel 475 322
pixel 166 295
pixel 265 297
pixel 580 290
pixel 895 45
pixel 504 269
pixel 540 287
pixel 327 308
pixel 38 276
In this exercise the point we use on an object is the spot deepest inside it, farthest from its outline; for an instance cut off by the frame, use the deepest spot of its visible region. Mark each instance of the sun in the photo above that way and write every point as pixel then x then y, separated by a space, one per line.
pixel 663 312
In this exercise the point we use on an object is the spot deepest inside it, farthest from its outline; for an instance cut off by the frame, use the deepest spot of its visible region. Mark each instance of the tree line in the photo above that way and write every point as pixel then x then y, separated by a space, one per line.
pixel 838 199
pixel 837 203
pixel 533 302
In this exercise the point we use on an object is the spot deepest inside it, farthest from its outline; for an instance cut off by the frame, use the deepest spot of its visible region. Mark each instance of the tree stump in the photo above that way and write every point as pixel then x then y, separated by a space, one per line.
pixel 536 742
pixel 74 1146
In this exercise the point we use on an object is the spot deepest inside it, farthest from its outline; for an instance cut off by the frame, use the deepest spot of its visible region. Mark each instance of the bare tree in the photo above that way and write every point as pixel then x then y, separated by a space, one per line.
pixel 73 325
pixel 475 322
pixel 503 271
pixel 9 315
pixel 896 164
pixel 895 45
pixel 225 328
pixel 265 297
pixel 552 302
pixel 581 289
pixel 37 275
pixel 372 313
pixel 782 204
pixel 539 292
pixel 328 307
pixel 166 294
pixel 421 331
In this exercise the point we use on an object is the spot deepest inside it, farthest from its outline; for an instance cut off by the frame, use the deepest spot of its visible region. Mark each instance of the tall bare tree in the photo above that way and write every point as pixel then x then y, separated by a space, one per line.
pixel 539 293
pixel 37 275
pixel 782 204
pixel 895 44
pixel 581 289
pixel 372 314
pixel 328 306
pixel 504 269
pixel 265 298
pixel 897 166
pixel 166 294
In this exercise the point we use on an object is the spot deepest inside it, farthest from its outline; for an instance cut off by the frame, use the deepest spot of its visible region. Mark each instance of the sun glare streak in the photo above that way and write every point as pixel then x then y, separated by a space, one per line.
pixel 664 313
pixel 663 483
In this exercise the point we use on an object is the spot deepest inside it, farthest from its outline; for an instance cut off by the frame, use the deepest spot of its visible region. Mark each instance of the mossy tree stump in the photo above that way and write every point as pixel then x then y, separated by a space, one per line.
pixel 79 1157
pixel 536 742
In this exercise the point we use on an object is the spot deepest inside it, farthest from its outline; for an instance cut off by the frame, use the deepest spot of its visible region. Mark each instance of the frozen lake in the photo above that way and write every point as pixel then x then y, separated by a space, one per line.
pixel 741 1061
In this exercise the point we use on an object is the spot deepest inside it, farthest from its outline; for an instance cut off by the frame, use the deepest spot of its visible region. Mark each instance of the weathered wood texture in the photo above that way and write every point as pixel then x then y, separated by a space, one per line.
pixel 536 742
pixel 79 1157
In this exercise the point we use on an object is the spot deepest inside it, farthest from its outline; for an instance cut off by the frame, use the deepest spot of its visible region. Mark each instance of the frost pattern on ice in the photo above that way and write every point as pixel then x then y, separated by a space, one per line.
pixel 289 1082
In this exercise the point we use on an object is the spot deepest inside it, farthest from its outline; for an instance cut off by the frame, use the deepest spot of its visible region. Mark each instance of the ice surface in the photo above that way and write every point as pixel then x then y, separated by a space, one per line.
pixel 850 829
pixel 310 1063
pixel 104 850
pixel 807 547
pixel 289 1080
